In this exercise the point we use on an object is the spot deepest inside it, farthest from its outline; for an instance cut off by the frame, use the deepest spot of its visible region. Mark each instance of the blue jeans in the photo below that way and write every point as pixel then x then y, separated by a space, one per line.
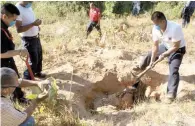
pixel 29 122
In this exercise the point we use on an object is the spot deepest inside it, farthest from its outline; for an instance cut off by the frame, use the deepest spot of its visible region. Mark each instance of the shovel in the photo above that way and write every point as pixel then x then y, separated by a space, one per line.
pixel 133 88
pixel 29 69
pixel 138 77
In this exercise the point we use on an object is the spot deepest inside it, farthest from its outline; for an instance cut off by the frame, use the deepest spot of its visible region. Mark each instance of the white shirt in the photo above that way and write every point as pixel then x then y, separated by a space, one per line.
pixel 9 115
pixel 27 17
pixel 173 33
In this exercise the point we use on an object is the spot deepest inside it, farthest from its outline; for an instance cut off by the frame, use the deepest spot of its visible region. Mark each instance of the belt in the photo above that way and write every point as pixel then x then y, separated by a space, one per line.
pixel 181 50
pixel 30 37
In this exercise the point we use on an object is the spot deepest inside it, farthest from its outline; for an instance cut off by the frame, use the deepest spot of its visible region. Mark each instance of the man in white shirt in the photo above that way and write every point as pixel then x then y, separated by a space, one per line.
pixel 10 116
pixel 172 45
pixel 28 27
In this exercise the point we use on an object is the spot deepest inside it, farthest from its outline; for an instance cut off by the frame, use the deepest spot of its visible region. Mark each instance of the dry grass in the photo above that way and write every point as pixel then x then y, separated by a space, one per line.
pixel 58 115
pixel 61 40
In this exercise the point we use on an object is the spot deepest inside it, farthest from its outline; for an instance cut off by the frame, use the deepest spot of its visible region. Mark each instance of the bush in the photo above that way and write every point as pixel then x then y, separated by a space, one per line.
pixel 109 8
pixel 51 11
pixel 172 10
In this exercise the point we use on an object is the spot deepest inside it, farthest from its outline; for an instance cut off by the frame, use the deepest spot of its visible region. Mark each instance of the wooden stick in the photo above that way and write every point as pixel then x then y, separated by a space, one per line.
pixel 146 70
pixel 137 77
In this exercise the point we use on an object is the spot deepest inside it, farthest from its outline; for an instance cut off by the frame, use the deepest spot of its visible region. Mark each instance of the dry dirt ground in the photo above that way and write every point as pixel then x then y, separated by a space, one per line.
pixel 89 72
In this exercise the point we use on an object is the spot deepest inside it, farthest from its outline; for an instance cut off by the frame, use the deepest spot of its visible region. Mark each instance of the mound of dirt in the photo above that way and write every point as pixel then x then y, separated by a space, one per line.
pixel 95 78
pixel 114 54
pixel 91 80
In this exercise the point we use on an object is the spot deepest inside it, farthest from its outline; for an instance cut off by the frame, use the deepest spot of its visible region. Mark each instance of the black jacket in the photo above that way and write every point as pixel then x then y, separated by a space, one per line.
pixel 6 45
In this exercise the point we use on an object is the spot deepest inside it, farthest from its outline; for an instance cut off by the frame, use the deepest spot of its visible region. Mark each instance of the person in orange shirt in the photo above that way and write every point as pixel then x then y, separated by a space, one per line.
pixel 94 15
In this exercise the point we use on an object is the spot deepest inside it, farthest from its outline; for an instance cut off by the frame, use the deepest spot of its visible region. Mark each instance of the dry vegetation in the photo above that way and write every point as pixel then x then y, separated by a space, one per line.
pixel 64 43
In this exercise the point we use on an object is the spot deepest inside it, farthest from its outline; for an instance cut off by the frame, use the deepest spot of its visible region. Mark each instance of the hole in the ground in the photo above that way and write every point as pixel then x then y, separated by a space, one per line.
pixel 105 92
pixel 109 91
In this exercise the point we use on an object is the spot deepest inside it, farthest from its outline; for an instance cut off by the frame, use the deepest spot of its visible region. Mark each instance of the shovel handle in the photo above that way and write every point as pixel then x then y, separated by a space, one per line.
pixel 28 67
pixel 146 70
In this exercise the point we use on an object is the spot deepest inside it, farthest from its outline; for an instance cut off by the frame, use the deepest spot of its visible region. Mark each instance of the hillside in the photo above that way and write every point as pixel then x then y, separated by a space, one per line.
pixel 88 72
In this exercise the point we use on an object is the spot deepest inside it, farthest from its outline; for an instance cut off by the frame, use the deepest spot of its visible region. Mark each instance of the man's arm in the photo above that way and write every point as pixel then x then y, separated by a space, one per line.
pixel 99 20
pixel 21 28
pixel 27 83
pixel 31 108
pixel 172 49
pixel 99 17
pixel 11 53
pixel 17 117
pixel 155 45
pixel 154 51
pixel 34 103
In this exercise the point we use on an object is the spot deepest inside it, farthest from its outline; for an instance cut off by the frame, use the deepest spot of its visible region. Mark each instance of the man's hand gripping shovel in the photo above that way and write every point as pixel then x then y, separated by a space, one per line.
pixel 136 79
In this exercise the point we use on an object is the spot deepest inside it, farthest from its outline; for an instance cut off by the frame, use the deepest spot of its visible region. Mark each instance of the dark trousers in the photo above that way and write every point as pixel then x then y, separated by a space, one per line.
pixel 90 27
pixel 175 60
pixel 185 21
pixel 33 45
pixel 135 11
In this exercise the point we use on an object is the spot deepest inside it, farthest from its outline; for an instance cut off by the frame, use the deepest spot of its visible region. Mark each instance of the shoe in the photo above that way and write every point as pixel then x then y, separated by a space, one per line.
pixel 26 75
pixel 40 75
pixel 169 99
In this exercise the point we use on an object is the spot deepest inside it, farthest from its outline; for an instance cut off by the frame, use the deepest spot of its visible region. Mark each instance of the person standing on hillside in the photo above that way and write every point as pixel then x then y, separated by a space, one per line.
pixel 94 15
pixel 172 45
pixel 28 27
pixel 136 8
pixel 187 12
pixel 9 13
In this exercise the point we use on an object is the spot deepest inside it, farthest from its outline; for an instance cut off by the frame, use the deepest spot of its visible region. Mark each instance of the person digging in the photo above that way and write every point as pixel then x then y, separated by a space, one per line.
pixel 172 45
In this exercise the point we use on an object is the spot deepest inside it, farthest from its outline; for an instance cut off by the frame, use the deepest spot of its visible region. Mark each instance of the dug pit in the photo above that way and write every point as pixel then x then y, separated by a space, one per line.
pixel 97 80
